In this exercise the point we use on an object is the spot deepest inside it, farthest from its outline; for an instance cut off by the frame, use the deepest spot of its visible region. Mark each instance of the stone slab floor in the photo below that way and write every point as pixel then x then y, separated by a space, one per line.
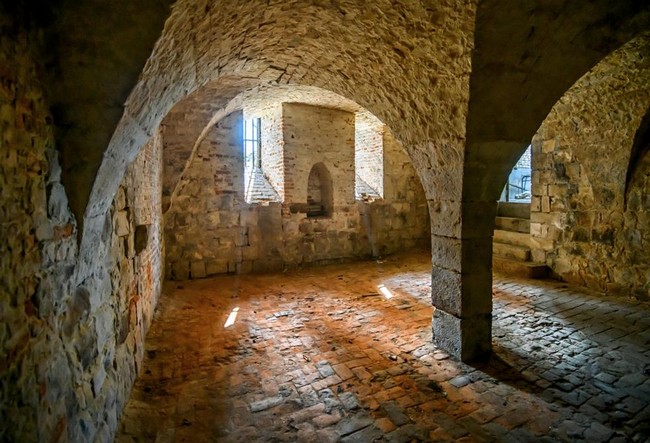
pixel 344 353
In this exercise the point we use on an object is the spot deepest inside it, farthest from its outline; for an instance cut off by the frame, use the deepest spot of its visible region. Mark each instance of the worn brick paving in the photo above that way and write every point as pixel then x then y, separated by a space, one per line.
pixel 323 355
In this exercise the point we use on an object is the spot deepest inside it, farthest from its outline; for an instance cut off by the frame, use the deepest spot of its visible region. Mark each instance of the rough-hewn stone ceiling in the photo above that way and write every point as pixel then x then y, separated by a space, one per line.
pixel 462 83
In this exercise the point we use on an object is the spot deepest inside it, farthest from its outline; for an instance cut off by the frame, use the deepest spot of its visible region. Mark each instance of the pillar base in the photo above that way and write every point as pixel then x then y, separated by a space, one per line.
pixel 466 339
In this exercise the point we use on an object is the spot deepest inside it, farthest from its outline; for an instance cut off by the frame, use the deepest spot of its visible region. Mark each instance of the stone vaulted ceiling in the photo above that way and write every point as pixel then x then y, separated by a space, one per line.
pixel 462 83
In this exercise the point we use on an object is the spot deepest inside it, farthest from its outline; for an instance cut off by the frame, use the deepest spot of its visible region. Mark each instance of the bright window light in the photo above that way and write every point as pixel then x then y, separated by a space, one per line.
pixel 384 290
pixel 231 318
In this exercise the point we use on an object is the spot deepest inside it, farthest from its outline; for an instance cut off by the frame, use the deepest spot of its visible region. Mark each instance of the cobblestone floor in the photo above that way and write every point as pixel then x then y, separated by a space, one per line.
pixel 344 353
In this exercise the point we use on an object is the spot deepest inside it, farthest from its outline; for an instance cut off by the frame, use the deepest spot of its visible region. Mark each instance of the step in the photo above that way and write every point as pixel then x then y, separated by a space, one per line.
pixel 511 251
pixel 519 268
pixel 512 238
pixel 512 224
pixel 516 210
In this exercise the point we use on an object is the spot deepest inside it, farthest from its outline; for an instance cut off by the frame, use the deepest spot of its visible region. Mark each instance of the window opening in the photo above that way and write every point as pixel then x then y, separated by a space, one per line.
pixel 517 188
pixel 368 157
pixel 252 143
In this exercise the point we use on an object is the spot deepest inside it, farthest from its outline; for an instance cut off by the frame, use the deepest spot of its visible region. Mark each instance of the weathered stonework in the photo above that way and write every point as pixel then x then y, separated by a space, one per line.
pixel 68 353
pixel 210 229
pixel 580 222
pixel 462 85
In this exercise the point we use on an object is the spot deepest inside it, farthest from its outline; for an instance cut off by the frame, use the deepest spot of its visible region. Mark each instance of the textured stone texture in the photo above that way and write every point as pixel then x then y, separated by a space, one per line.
pixel 68 353
pixel 580 221
pixel 369 156
pixel 318 135
pixel 210 229
pixel 407 63
pixel 414 65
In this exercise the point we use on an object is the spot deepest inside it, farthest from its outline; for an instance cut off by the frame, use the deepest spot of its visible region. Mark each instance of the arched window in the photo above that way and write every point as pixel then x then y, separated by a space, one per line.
pixel 319 192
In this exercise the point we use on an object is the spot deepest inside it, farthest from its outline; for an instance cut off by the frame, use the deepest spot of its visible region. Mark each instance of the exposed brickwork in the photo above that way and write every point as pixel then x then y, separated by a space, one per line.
pixel 273 149
pixel 369 155
pixel 318 135
pixel 210 229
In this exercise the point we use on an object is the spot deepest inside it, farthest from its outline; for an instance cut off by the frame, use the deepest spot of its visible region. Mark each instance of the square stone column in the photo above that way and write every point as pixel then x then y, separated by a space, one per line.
pixel 461 283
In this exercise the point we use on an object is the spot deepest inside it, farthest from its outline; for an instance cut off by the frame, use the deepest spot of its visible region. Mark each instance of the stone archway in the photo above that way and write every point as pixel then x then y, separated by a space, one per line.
pixel 422 90
pixel 581 224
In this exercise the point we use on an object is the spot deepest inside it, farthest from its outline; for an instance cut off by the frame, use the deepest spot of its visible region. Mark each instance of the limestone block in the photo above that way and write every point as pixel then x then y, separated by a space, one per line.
pixel 249 217
pixel 213 218
pixel 197 269
pixel 467 338
pixel 549 146
pixel 58 203
pixel 538 255
pixel 445 218
pixel 120 199
pixel 181 270
pixel 469 294
pixel 216 266
pixel 104 322
pixel 44 231
pixel 122 226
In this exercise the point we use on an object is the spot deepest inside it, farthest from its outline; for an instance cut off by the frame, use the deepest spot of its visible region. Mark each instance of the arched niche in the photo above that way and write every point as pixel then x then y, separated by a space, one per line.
pixel 319 192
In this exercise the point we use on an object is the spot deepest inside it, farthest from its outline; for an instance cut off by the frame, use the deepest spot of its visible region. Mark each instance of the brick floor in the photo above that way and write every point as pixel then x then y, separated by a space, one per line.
pixel 323 355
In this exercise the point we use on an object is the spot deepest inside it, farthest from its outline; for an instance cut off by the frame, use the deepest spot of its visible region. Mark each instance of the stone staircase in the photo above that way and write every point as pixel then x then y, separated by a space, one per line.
pixel 511 244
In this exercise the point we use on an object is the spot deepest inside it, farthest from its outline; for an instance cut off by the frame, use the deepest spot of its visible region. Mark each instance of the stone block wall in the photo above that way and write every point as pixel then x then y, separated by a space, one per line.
pixel 68 352
pixel 581 225
pixel 210 232
pixel 37 254
pixel 202 228
pixel 318 135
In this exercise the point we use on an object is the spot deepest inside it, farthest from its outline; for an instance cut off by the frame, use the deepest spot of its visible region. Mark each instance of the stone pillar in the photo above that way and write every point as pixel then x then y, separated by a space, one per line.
pixel 462 279
pixel 462 230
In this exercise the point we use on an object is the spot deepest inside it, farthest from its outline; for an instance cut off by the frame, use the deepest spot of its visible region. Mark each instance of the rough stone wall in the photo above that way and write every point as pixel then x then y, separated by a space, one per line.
pixel 580 224
pixel 68 354
pixel 202 228
pixel 37 253
pixel 318 135
pixel 209 232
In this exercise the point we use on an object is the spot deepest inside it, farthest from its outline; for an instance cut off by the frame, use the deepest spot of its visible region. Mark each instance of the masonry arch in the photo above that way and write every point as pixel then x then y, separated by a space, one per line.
pixel 422 90
pixel 319 191
pixel 586 151
pixel 309 130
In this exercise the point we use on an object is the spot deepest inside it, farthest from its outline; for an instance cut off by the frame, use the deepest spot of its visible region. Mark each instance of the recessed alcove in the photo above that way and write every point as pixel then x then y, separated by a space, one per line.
pixel 319 192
